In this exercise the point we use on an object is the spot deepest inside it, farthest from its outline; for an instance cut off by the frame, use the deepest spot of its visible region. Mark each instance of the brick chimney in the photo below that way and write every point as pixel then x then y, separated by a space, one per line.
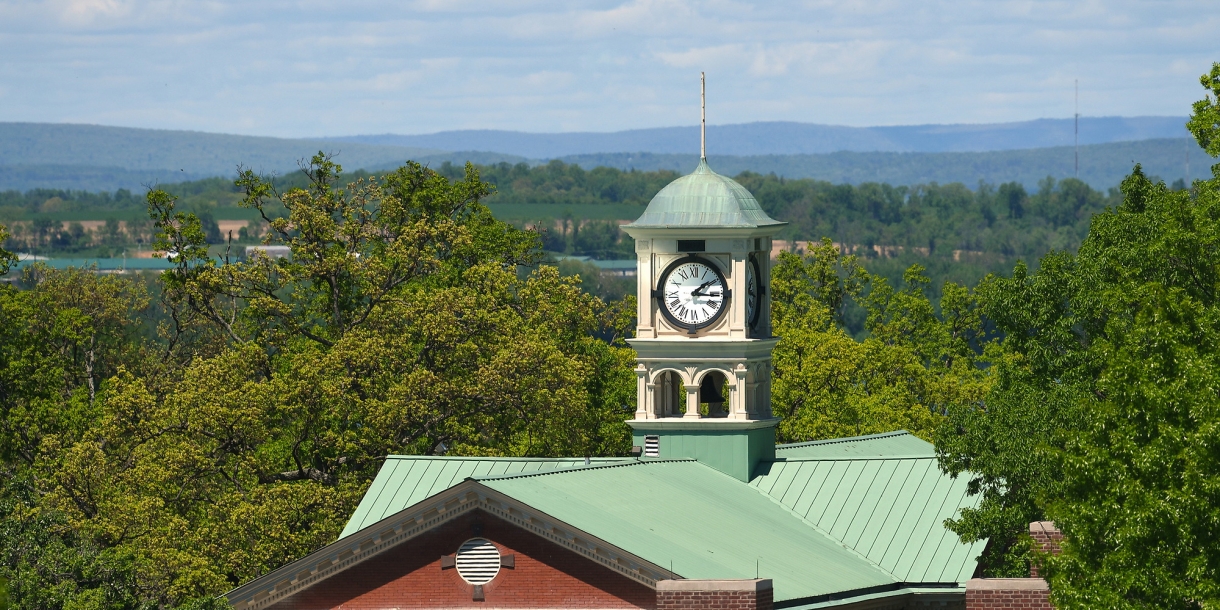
pixel 1032 593
pixel 1047 537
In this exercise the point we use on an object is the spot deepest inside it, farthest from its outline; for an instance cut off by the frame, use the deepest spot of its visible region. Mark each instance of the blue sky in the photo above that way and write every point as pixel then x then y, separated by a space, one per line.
pixel 312 68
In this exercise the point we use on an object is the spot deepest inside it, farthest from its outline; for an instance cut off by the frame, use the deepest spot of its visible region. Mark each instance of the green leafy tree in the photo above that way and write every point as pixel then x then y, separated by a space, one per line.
pixel 245 434
pixel 1204 122
pixel 157 453
pixel 1103 413
pixel 1140 490
pixel 7 259
pixel 1040 371
pixel 913 363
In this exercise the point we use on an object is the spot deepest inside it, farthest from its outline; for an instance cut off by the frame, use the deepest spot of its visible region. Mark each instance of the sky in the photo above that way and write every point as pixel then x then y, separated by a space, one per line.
pixel 311 68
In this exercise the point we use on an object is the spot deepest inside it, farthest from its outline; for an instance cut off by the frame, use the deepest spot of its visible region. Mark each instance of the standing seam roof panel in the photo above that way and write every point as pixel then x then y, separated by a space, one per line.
pixel 890 510
pixel 783 482
pixel 900 500
pixel 915 549
pixel 946 547
pixel 854 501
pixel 830 518
pixel 869 501
pixel 826 491
pixel 802 503
pixel 907 525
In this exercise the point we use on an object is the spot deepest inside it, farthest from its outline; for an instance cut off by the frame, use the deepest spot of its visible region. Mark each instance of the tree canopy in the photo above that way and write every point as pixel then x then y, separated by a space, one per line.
pixel 160 466
pixel 1103 413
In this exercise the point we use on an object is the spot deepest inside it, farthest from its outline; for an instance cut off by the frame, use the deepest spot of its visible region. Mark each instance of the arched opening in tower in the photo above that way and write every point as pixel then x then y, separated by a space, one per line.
pixel 711 395
pixel 671 395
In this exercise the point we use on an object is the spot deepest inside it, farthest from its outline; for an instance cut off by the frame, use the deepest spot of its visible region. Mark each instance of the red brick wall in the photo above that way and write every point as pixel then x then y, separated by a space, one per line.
pixel 1007 594
pixel 720 600
pixel 1047 537
pixel 410 576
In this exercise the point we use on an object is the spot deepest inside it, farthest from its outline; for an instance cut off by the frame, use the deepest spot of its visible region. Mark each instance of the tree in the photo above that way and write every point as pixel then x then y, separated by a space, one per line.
pixel 402 322
pixel 913 363
pixel 158 454
pixel 7 259
pixel 1204 122
pixel 60 338
pixel 1141 489
pixel 1040 370
pixel 1103 416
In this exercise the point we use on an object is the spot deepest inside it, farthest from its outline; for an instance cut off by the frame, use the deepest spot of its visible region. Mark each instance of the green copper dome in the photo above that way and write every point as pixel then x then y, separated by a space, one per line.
pixel 704 198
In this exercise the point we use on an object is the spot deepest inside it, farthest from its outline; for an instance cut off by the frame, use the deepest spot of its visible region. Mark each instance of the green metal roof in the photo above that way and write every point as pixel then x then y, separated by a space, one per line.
pixel 858 514
pixel 406 479
pixel 891 510
pixel 705 524
pixel 704 198
pixel 900 443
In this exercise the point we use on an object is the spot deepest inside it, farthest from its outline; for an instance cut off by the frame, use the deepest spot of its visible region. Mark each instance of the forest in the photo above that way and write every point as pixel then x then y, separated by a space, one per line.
pixel 165 438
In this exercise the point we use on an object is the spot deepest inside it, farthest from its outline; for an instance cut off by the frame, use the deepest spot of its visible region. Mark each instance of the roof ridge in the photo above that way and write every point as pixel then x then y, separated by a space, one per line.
pixel 852 458
pixel 848 439
pixel 501 458
pixel 581 468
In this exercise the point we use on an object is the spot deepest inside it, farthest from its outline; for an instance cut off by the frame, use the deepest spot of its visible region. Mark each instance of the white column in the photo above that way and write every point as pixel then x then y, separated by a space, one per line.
pixel 740 394
pixel 692 401
pixel 737 280
pixel 645 325
pixel 643 393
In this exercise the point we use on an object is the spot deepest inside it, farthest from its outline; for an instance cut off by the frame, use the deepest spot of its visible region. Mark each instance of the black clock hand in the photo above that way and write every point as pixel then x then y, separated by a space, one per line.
pixel 698 292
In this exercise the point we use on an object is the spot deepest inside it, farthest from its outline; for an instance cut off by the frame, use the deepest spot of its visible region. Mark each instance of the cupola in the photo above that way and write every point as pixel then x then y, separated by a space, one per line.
pixel 704 199
pixel 703 336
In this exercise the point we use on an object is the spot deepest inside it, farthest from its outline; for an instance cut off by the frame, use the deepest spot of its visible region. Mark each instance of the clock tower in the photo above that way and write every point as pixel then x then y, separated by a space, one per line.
pixel 703 340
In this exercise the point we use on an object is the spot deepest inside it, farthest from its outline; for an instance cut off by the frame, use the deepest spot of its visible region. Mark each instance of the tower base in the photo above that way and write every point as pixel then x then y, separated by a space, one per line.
pixel 734 447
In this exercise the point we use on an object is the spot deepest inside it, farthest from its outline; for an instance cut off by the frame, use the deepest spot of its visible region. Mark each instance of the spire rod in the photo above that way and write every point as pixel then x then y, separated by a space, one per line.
pixel 702 117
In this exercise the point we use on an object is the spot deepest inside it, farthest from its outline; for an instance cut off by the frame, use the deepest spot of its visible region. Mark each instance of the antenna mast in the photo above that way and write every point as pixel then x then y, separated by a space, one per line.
pixel 1076 128
pixel 702 117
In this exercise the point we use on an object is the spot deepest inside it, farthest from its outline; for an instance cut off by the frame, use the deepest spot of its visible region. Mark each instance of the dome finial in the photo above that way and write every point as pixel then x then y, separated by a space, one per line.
pixel 702 117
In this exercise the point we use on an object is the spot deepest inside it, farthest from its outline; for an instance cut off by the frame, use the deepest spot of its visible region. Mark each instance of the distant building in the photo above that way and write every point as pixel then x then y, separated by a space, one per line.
pixel 272 252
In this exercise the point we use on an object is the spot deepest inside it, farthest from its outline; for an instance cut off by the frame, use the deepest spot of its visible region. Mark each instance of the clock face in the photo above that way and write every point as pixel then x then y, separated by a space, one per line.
pixel 692 293
pixel 753 292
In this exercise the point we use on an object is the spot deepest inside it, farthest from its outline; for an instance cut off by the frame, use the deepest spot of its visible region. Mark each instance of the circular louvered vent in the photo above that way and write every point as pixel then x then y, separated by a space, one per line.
pixel 478 561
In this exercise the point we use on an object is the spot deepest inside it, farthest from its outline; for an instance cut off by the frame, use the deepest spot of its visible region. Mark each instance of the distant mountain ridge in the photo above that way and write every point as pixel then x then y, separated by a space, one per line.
pixel 98 158
pixel 193 152
pixel 792 138
pixel 1101 165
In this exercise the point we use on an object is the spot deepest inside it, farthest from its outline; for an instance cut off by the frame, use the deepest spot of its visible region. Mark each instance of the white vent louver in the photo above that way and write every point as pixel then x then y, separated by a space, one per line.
pixel 478 561
pixel 652 446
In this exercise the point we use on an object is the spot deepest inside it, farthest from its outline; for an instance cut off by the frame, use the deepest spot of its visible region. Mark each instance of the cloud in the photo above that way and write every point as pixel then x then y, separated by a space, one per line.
pixel 368 66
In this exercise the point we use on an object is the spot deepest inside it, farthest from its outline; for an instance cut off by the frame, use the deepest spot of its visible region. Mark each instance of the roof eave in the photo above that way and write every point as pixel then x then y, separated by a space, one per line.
pixel 422 517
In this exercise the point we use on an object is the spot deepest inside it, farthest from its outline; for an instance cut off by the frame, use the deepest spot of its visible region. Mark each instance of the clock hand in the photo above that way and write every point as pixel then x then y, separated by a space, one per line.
pixel 698 292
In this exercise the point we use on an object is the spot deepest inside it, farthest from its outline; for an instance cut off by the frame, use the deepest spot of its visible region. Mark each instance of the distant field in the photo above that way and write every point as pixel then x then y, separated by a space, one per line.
pixel 507 212
pixel 537 211
pixel 12 215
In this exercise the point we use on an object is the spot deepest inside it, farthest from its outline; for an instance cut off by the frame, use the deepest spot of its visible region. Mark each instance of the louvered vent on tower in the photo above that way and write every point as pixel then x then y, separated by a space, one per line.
pixel 478 561
pixel 652 446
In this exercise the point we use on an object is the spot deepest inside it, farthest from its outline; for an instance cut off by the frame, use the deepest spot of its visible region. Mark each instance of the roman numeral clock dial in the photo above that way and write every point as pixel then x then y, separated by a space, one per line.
pixel 692 293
